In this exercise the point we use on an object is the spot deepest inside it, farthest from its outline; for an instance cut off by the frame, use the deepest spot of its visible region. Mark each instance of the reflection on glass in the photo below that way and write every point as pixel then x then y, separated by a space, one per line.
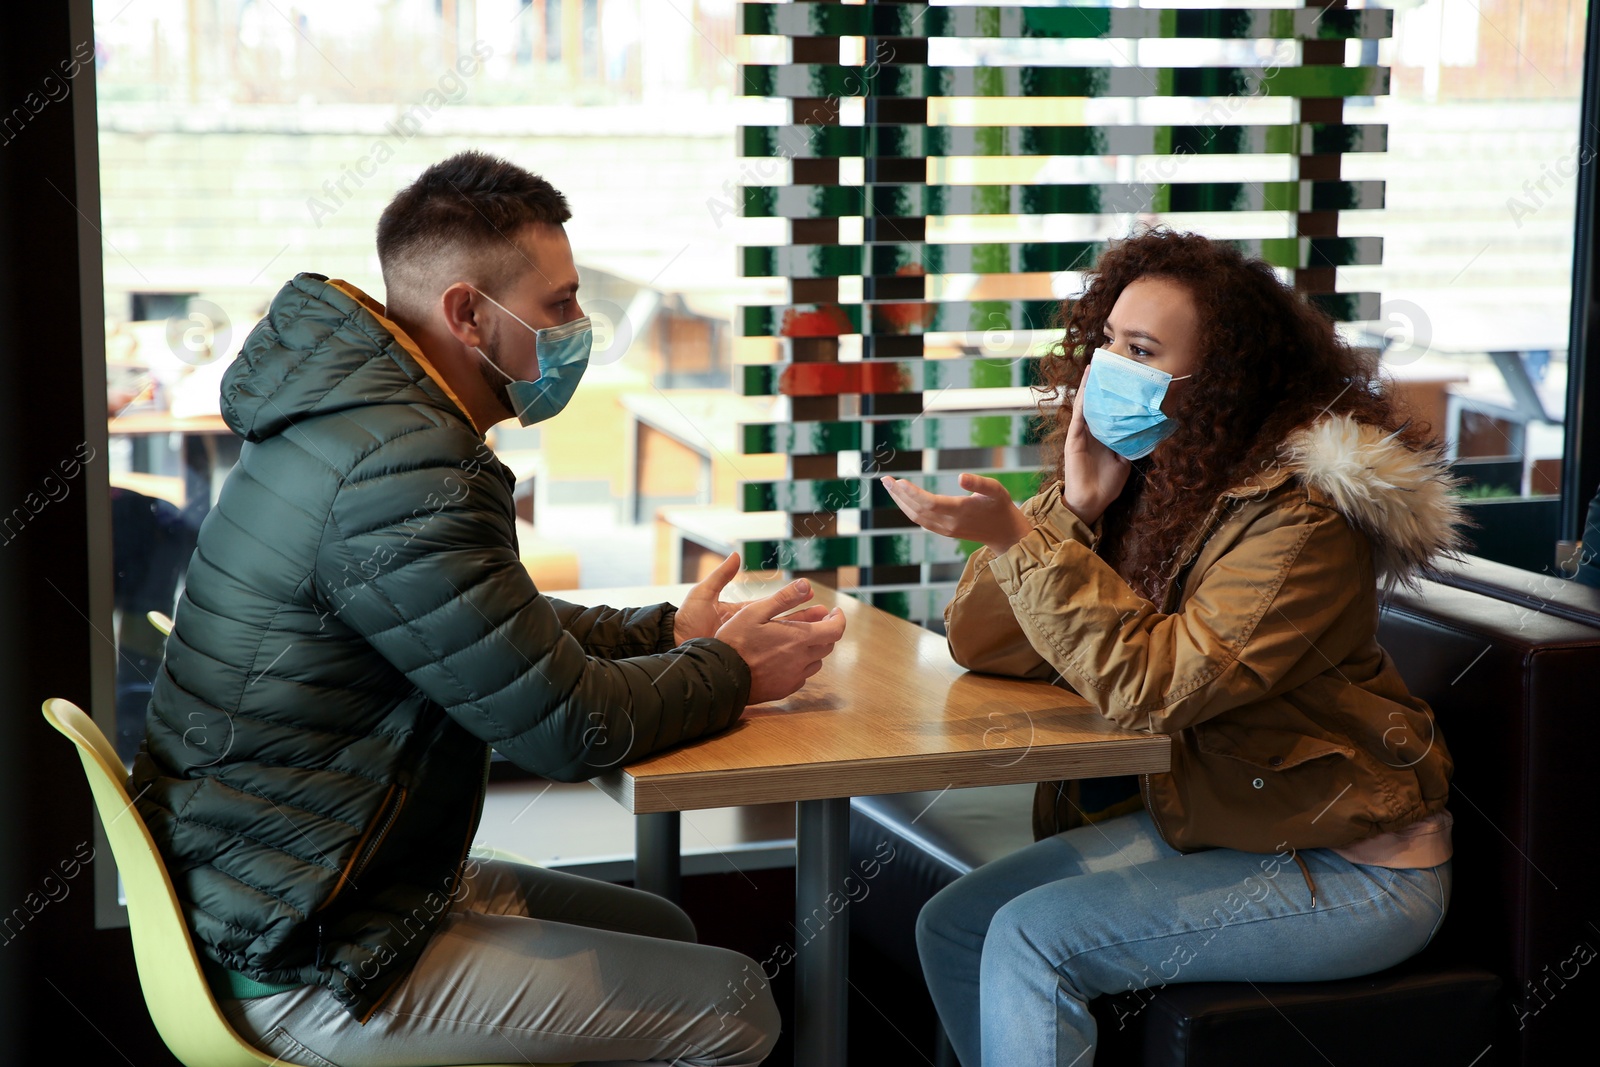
pixel 242 142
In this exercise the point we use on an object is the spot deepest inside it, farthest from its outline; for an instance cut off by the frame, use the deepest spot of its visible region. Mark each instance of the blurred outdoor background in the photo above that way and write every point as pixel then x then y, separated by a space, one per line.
pixel 243 141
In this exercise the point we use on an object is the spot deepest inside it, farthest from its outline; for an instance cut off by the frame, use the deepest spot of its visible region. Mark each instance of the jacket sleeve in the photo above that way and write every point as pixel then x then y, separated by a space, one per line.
pixel 982 632
pixel 420 561
pixel 1250 627
pixel 618 633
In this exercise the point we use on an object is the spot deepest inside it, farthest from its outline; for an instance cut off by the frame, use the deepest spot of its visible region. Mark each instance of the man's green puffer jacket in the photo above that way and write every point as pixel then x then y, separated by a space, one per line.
pixel 355 632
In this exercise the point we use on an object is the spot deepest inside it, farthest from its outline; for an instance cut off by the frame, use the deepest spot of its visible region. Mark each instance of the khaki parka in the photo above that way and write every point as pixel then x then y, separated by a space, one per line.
pixel 1291 726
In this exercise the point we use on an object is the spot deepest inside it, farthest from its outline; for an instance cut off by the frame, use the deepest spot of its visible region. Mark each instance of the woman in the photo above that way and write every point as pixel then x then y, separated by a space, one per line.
pixel 1227 490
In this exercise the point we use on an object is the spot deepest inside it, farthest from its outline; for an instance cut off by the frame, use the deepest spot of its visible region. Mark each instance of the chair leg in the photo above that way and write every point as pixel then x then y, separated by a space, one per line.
pixel 944 1055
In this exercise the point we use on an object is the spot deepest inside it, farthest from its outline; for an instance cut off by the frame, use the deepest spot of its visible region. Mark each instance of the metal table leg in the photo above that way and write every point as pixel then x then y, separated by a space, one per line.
pixel 822 925
pixel 657 860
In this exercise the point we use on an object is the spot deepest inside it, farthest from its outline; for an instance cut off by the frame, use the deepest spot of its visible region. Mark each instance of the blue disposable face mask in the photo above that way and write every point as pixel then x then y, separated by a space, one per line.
pixel 563 354
pixel 1122 404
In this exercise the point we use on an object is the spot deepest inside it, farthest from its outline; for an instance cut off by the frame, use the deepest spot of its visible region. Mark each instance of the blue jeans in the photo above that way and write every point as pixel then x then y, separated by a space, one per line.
pixel 1014 951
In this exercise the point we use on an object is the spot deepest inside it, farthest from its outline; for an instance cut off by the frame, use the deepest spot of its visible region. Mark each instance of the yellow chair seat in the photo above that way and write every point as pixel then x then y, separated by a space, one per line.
pixel 175 990
pixel 490 852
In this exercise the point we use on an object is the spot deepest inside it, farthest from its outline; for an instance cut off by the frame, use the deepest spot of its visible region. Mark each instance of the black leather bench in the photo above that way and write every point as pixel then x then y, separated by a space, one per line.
pixel 1514 690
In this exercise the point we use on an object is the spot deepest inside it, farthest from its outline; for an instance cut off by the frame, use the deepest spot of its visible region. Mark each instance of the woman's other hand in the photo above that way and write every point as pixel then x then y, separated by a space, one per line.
pixel 1092 474
pixel 988 516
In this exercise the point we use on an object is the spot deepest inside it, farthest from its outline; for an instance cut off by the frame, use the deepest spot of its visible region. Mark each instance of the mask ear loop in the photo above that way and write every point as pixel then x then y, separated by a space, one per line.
pixel 501 306
pixel 502 374
pixel 493 364
pixel 498 369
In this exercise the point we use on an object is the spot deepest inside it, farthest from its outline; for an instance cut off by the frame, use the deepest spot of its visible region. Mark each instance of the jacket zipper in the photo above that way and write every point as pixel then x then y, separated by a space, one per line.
pixel 477 813
pixel 1170 601
pixel 472 832
pixel 1190 552
pixel 1311 885
pixel 377 839
pixel 1191 549
pixel 1174 594
pixel 394 801
pixel 1149 806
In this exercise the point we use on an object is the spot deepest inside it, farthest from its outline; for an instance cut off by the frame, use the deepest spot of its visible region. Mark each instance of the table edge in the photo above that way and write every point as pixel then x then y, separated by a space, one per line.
pixel 696 790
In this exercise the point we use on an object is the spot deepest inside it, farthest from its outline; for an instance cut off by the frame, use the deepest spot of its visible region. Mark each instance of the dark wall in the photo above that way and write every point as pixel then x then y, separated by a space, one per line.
pixel 66 989
pixel 1580 471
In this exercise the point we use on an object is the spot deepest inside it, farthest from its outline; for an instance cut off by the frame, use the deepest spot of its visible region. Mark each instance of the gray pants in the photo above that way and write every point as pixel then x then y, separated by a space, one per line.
pixel 537 966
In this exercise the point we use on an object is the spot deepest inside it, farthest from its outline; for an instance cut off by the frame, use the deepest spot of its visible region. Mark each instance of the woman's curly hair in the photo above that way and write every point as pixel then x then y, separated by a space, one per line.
pixel 1269 363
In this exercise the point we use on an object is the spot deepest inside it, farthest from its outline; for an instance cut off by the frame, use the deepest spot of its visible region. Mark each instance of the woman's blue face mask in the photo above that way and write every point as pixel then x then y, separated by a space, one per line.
pixel 563 354
pixel 1122 404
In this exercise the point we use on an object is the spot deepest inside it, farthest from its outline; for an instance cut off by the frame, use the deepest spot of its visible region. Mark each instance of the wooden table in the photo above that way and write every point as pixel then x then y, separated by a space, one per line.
pixel 1425 389
pixel 889 712
pixel 1507 336
pixel 149 422
pixel 683 445
pixel 1516 400
pixel 693 538
pixel 209 449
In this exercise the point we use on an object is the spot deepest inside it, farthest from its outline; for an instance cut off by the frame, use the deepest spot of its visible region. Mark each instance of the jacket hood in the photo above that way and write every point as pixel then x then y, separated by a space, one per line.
pixel 1405 501
pixel 323 347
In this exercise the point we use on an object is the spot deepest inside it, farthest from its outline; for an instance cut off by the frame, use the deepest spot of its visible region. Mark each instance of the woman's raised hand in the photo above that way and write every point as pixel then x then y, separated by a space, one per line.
pixel 987 516
pixel 1092 474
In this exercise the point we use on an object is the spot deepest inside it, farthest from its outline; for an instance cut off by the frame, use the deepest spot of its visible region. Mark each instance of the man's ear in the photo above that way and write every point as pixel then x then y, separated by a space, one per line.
pixel 462 311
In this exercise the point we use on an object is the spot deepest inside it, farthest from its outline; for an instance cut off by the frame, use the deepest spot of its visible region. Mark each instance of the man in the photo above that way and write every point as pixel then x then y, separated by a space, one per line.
pixel 356 632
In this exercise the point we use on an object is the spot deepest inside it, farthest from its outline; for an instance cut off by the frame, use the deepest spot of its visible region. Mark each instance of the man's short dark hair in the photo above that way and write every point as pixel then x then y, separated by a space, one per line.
pixel 460 216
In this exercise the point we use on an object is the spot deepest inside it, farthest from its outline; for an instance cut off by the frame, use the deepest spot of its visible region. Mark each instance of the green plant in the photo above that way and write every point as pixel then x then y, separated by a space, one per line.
pixel 1486 492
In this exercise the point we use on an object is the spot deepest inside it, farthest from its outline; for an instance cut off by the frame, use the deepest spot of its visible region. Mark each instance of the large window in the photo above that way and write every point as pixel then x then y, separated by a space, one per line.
pixel 242 141
pixel 943 173
pixel 1481 173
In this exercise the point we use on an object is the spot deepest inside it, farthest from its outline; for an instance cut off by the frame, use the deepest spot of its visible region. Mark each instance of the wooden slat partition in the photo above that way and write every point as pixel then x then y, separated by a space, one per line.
pixel 928 235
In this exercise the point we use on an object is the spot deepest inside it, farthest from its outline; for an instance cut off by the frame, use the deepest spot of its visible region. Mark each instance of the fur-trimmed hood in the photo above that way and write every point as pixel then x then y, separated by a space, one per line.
pixel 1405 501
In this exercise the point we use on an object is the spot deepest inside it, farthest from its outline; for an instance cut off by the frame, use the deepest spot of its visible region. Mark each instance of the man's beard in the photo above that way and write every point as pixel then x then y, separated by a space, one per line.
pixel 495 378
